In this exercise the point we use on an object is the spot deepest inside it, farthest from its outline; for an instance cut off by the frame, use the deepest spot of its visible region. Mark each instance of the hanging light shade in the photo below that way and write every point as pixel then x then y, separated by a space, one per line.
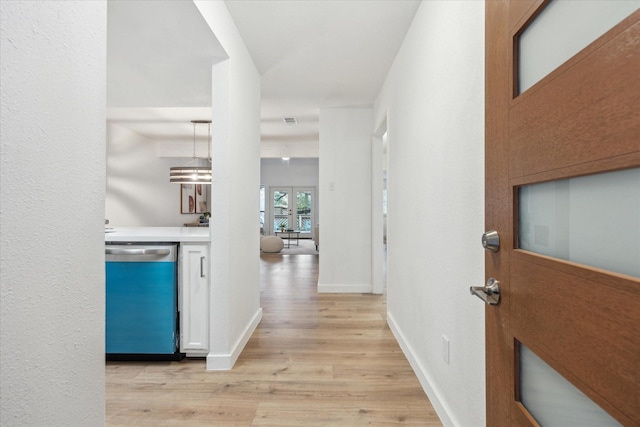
pixel 191 173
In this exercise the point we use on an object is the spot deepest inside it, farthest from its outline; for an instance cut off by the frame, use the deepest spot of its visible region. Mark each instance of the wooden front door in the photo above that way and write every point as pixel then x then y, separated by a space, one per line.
pixel 581 120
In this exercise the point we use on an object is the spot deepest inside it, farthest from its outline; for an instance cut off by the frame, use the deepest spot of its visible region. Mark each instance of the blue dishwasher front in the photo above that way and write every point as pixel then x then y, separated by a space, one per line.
pixel 141 295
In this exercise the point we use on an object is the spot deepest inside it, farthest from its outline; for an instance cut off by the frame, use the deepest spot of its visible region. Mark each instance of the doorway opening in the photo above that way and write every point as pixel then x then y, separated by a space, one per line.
pixel 379 168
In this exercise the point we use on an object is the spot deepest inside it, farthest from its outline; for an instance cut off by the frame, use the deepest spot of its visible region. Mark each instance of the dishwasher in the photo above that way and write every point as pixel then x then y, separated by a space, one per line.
pixel 141 302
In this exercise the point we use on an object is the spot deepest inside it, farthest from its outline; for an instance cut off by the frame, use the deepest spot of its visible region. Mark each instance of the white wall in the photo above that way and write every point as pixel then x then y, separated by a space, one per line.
pixel 235 268
pixel 53 78
pixel 433 99
pixel 278 149
pixel 345 191
pixel 139 193
pixel 297 173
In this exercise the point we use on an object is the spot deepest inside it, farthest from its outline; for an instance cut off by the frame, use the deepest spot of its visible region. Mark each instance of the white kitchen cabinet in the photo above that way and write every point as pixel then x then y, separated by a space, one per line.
pixel 194 299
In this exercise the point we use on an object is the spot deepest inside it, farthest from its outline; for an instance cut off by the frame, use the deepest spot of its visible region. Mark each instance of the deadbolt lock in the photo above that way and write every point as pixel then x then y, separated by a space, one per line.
pixel 491 241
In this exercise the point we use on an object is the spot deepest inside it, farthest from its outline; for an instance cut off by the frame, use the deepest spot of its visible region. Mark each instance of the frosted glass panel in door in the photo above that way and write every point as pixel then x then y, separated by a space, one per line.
pixel 562 29
pixel 592 220
pixel 552 400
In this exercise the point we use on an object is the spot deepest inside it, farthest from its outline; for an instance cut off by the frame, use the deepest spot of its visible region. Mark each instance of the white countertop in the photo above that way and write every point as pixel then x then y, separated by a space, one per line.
pixel 157 234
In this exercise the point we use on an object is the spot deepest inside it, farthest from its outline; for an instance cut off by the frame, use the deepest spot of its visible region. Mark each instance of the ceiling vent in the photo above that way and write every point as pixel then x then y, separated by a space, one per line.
pixel 290 121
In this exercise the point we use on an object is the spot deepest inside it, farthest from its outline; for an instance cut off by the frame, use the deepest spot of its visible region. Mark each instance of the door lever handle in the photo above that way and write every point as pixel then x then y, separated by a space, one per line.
pixel 490 293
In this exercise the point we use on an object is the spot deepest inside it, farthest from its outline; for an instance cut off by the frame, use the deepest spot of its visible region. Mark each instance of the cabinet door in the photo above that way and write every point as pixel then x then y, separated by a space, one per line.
pixel 194 299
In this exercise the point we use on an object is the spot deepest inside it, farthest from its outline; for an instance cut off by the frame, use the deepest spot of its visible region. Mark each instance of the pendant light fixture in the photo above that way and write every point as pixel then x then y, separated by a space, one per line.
pixel 191 173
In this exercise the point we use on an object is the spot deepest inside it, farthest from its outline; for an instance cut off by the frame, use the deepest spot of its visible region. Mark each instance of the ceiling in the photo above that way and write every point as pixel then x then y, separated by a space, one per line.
pixel 159 58
pixel 311 54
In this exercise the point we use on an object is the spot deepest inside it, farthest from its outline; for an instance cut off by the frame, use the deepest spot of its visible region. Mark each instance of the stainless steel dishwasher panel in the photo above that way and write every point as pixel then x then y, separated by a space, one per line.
pixel 141 299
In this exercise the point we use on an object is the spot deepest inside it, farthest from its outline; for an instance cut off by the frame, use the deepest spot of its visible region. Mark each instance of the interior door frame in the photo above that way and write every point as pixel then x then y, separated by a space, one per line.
pixel 292 191
pixel 503 19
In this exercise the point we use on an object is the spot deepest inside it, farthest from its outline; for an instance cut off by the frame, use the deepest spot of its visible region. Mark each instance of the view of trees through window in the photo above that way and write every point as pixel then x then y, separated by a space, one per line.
pixel 283 219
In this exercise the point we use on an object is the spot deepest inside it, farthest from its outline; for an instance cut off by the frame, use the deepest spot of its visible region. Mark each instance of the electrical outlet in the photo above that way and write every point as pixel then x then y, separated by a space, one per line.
pixel 445 349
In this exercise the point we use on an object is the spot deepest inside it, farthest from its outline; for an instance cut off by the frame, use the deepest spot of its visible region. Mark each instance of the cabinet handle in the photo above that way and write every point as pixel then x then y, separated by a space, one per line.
pixel 201 266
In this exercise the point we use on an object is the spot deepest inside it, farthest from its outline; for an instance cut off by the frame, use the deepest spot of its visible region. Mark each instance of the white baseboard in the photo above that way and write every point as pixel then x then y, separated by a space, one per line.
pixel 224 362
pixel 426 380
pixel 344 289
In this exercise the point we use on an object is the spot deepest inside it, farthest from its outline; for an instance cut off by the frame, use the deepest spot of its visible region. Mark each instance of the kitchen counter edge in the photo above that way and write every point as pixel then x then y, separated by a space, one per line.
pixel 157 234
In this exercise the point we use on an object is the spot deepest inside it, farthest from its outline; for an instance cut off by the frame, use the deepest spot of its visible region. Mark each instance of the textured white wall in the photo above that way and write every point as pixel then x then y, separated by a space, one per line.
pixel 345 191
pixel 139 193
pixel 53 78
pixel 434 101
pixel 298 173
pixel 235 231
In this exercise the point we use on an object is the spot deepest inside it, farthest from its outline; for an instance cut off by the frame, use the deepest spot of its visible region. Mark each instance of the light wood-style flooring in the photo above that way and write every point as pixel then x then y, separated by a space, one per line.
pixel 315 360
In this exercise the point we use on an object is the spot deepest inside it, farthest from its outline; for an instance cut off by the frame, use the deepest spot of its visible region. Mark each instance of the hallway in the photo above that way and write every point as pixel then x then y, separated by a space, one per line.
pixel 314 360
